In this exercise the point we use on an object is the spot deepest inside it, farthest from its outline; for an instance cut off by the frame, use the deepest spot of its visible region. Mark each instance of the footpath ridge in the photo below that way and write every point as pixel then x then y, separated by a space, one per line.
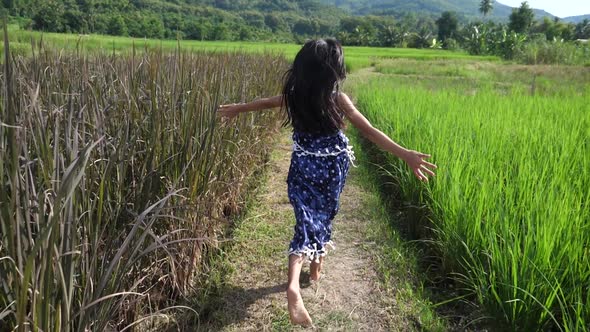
pixel 349 297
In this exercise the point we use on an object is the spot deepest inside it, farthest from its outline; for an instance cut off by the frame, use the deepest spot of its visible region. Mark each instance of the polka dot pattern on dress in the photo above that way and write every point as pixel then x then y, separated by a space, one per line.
pixel 314 185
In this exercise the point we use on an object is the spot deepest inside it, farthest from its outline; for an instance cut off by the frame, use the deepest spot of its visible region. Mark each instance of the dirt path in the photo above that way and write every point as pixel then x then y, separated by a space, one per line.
pixel 349 296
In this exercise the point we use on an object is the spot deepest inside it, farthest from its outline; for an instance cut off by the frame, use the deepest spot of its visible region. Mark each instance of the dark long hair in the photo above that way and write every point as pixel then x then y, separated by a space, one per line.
pixel 311 88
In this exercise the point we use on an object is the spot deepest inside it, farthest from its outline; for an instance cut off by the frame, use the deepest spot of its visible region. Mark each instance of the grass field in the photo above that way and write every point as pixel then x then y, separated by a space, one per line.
pixel 118 181
pixel 356 57
pixel 510 205
pixel 472 75
pixel 132 121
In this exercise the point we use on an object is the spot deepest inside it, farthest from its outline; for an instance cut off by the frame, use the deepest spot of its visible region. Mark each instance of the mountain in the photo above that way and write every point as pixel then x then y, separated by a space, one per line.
pixel 467 8
pixel 576 19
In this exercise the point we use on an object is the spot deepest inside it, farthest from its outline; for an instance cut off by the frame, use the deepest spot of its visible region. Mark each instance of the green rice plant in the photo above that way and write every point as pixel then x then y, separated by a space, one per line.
pixel 450 68
pixel 117 180
pixel 471 76
pixel 357 57
pixel 354 63
pixel 510 205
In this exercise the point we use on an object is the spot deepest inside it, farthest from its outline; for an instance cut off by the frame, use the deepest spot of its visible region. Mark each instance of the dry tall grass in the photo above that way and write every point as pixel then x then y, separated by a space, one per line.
pixel 117 179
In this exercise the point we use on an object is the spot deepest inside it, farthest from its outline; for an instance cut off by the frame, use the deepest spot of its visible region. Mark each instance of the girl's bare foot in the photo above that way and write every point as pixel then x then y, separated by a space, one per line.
pixel 297 311
pixel 315 269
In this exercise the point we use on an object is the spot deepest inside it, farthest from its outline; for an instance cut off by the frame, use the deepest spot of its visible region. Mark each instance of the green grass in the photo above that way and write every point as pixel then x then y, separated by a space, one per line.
pixel 397 261
pixel 450 68
pixel 410 53
pixel 356 57
pixel 134 124
pixel 251 249
pixel 510 204
pixel 470 76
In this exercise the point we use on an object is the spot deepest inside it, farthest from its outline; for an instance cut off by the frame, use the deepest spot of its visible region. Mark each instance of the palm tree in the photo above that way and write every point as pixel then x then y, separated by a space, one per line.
pixel 486 6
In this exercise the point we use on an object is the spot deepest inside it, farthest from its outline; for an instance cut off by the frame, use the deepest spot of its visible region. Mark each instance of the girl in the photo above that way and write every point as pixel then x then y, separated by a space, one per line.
pixel 316 109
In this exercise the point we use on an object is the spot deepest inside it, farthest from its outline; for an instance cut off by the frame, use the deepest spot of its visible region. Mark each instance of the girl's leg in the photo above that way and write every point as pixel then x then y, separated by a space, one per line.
pixel 315 269
pixel 297 311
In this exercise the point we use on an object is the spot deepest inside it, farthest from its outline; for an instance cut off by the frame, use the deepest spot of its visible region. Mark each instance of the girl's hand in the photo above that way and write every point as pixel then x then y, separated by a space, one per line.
pixel 419 166
pixel 228 112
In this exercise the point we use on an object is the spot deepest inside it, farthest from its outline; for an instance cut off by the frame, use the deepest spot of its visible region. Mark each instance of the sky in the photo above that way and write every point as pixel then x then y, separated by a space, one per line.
pixel 562 8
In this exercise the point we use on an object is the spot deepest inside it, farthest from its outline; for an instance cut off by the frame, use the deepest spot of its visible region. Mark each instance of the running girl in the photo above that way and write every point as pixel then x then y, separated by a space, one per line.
pixel 317 110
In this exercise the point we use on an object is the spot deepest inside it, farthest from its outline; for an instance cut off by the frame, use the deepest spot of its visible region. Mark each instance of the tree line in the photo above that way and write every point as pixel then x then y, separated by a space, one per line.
pixel 522 33
pixel 291 21
pixel 277 20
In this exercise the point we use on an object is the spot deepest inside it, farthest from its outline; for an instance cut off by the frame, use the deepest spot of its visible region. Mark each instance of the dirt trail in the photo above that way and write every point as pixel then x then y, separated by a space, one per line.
pixel 347 298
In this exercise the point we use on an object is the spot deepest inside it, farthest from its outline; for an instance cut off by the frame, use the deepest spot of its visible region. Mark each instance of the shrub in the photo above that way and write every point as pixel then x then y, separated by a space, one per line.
pixel 450 44
pixel 546 52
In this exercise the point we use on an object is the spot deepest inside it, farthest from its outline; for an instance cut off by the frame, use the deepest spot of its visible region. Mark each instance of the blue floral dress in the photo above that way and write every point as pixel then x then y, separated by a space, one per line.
pixel 319 166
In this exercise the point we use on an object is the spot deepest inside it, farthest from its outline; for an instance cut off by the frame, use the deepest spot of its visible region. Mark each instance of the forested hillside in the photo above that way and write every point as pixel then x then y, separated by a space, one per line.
pixel 577 19
pixel 274 20
pixel 398 8
pixel 417 24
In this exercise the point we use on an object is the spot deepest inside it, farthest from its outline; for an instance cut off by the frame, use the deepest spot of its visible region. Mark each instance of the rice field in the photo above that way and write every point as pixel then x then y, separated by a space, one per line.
pixel 356 57
pixel 116 173
pixel 509 210
pixel 118 180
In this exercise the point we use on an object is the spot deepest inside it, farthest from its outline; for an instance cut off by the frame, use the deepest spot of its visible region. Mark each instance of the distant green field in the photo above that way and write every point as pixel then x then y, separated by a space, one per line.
pixel 471 75
pixel 356 57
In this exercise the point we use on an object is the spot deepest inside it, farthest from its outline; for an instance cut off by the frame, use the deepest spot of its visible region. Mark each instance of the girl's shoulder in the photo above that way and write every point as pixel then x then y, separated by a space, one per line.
pixel 343 100
pixel 341 94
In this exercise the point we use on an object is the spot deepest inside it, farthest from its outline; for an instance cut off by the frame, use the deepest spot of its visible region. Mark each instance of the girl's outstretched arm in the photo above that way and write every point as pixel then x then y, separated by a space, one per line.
pixel 414 159
pixel 231 110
